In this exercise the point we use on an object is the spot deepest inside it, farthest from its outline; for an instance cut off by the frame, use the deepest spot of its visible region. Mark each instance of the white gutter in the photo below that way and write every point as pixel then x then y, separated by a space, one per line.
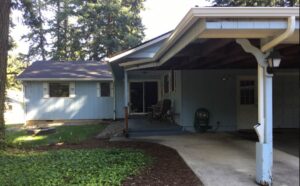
pixel 289 31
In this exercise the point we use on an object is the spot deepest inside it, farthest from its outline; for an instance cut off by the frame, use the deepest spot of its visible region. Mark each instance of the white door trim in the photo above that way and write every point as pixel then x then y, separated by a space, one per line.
pixel 238 105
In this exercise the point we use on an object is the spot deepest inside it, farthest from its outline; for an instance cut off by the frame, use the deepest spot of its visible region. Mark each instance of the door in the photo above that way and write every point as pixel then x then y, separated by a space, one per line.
pixel 151 94
pixel 142 96
pixel 246 103
pixel 136 97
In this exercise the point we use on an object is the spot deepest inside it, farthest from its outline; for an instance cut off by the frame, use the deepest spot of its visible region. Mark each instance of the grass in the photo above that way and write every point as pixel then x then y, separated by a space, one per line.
pixel 70 167
pixel 64 134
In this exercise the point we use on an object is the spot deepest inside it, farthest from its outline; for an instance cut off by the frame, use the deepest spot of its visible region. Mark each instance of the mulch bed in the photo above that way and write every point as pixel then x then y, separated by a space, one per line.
pixel 168 167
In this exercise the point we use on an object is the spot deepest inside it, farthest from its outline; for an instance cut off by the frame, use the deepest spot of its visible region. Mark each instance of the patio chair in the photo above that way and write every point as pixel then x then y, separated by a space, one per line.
pixel 161 111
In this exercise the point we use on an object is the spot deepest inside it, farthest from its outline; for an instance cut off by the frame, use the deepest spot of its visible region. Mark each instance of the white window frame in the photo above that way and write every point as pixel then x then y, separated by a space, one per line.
pixel 46 90
pixel 111 85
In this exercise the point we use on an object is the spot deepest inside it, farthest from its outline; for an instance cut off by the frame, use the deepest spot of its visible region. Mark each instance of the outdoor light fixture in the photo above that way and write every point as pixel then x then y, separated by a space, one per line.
pixel 274 60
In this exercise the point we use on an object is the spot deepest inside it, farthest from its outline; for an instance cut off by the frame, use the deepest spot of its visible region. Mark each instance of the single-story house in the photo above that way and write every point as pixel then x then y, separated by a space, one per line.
pixel 68 91
pixel 221 59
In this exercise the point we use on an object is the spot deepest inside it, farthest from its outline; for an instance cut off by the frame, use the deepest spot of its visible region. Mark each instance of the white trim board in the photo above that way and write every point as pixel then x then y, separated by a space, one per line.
pixel 112 59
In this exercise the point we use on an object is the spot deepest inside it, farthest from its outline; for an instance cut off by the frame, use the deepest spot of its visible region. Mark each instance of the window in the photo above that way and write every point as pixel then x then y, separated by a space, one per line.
pixel 166 83
pixel 59 90
pixel 105 89
pixel 247 92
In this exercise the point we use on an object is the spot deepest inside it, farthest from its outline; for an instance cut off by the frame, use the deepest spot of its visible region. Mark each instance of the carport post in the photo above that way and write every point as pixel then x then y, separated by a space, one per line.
pixel 264 148
pixel 126 101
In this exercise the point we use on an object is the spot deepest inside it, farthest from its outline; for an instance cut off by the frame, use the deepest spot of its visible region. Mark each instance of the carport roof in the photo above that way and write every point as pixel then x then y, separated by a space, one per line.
pixel 255 23
pixel 71 70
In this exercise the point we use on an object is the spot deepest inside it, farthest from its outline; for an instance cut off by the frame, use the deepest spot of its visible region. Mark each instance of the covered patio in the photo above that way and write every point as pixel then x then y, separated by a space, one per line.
pixel 142 126
pixel 223 59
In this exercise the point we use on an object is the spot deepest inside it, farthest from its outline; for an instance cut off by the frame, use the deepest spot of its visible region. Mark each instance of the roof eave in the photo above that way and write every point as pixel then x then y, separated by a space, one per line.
pixel 195 14
pixel 65 79
pixel 131 51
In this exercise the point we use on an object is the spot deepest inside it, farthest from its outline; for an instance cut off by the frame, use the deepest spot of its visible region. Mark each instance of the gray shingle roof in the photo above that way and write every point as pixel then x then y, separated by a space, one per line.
pixel 77 70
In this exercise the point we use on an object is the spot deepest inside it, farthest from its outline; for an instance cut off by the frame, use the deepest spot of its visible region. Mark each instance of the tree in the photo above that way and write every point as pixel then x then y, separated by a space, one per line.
pixel 256 3
pixel 4 27
pixel 83 29
pixel 14 67
pixel 59 29
pixel 34 19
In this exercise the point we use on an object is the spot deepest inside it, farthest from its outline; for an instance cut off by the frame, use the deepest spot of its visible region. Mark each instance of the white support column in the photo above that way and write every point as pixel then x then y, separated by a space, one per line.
pixel 126 89
pixel 261 104
pixel 126 93
pixel 264 148
pixel 264 128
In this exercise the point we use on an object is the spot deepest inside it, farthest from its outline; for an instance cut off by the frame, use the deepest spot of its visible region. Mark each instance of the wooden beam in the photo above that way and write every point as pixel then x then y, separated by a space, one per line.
pixel 231 51
pixel 242 61
pixel 209 51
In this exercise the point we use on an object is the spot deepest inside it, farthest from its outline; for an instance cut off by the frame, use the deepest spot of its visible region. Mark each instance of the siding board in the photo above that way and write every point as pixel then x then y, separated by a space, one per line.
pixel 85 105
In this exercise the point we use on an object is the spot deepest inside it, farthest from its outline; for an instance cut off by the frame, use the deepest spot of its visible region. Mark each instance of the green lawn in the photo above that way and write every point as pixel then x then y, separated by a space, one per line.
pixel 65 134
pixel 66 166
pixel 69 167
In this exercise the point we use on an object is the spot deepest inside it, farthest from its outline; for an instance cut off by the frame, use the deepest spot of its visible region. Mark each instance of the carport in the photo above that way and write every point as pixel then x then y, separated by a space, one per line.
pixel 234 38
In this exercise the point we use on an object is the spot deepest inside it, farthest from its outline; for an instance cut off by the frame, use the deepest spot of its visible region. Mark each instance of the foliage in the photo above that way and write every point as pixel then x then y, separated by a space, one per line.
pixel 34 18
pixel 14 67
pixel 64 134
pixel 262 3
pixel 82 29
pixel 70 167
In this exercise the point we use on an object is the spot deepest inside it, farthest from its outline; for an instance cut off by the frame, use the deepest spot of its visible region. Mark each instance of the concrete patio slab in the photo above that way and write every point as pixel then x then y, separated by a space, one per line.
pixel 228 160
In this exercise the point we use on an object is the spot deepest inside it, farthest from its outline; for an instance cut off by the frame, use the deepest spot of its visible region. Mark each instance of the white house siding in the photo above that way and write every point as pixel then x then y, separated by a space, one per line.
pixel 205 89
pixel 85 105
pixel 286 100
pixel 119 93
pixel 147 52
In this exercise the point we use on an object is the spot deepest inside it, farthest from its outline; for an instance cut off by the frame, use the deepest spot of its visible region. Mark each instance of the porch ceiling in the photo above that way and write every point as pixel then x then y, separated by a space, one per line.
pixel 226 53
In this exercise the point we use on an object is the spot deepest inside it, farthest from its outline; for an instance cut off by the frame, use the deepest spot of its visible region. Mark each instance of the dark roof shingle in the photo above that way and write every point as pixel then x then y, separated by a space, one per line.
pixel 79 70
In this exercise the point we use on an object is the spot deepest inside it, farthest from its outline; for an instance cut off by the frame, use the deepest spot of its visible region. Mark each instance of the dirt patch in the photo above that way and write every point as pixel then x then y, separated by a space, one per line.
pixel 168 167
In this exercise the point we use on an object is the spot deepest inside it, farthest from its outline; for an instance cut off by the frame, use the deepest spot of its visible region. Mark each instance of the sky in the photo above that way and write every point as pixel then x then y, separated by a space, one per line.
pixel 159 16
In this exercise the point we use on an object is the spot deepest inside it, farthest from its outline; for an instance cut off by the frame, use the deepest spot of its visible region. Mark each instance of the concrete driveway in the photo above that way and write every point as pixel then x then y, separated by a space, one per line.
pixel 226 159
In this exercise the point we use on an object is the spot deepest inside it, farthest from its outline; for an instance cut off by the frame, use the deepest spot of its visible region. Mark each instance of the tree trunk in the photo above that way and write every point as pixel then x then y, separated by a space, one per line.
pixel 4 26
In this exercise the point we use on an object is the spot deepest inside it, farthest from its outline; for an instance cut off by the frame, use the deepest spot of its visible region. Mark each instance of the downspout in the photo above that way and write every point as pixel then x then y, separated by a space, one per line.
pixel 24 102
pixel 289 31
pixel 114 91
pixel 114 99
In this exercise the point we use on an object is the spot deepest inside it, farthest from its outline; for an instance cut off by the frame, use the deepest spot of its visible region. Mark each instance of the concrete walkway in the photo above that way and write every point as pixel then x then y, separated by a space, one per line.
pixel 227 160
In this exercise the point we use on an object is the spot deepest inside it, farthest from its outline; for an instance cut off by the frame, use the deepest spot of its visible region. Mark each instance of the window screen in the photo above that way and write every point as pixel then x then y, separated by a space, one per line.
pixel 59 90
pixel 105 89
